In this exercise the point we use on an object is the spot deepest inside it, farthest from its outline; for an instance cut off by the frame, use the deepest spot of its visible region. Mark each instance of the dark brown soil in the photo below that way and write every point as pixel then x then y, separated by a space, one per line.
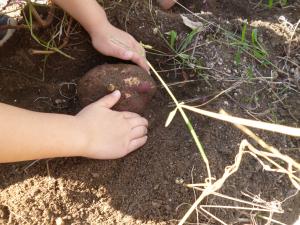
pixel 136 86
pixel 146 187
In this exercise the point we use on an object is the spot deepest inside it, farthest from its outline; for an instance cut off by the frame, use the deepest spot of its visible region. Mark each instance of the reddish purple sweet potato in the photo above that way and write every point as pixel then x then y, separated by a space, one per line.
pixel 136 86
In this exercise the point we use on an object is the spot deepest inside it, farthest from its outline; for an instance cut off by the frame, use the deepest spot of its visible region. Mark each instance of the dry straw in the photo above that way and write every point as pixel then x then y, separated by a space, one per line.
pixel 265 158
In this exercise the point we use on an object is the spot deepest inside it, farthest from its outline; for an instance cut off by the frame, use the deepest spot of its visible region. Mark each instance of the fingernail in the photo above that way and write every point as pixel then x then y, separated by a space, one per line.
pixel 116 93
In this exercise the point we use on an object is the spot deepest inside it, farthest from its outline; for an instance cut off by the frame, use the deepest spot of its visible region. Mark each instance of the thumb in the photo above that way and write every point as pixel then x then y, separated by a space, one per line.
pixel 110 100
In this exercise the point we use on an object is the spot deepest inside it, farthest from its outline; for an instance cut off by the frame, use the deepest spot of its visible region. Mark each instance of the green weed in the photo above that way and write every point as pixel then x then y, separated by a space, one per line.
pixel 282 3
pixel 173 38
pixel 250 73
pixel 241 45
pixel 181 50
pixel 253 47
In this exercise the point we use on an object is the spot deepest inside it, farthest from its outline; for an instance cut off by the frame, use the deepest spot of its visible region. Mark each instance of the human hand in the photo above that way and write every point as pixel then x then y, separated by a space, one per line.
pixel 166 4
pixel 112 41
pixel 110 134
pixel 106 38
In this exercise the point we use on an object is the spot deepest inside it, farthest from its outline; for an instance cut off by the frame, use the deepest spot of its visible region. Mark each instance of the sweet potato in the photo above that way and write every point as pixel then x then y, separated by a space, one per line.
pixel 136 86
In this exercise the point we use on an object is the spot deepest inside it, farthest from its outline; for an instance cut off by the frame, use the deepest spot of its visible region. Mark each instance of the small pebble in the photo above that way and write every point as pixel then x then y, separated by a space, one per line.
pixel 274 75
pixel 58 101
pixel 220 61
pixel 179 180
pixel 156 204
pixel 59 221
pixel 95 175
pixel 168 208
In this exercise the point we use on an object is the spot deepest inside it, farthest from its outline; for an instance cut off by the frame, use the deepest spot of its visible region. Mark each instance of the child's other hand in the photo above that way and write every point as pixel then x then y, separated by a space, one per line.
pixel 166 4
pixel 112 41
pixel 110 134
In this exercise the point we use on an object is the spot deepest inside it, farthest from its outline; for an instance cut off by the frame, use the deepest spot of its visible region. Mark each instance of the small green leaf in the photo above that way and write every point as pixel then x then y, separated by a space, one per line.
pixel 283 2
pixel 173 37
pixel 259 54
pixel 188 40
pixel 237 57
pixel 184 56
pixel 243 39
pixel 270 4
pixel 171 117
pixel 254 36
pixel 250 73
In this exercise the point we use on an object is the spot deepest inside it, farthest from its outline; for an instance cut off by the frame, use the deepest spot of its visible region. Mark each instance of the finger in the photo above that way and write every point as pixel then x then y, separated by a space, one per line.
pixel 166 4
pixel 130 115
pixel 141 61
pixel 138 132
pixel 110 100
pixel 140 57
pixel 121 53
pixel 137 143
pixel 138 121
pixel 139 49
pixel 126 54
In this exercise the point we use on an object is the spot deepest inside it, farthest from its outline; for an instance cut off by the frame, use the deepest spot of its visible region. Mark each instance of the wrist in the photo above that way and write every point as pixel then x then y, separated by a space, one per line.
pixel 88 13
pixel 66 138
pixel 100 32
pixel 98 25
pixel 77 138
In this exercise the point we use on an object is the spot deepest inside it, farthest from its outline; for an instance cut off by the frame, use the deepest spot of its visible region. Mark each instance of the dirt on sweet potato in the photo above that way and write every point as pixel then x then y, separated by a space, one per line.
pixel 136 86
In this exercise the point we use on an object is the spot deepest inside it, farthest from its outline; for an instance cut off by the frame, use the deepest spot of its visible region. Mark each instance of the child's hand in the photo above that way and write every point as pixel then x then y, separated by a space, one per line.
pixel 112 41
pixel 109 134
pixel 166 4
pixel 106 38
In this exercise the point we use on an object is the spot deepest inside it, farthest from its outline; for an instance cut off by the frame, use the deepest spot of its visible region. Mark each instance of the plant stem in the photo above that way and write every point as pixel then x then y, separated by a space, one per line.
pixel 186 120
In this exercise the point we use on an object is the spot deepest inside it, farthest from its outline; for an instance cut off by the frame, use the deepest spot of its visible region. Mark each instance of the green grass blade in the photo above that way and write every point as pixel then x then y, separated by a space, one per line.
pixel 186 120
pixel 173 38
pixel 244 30
pixel 237 57
pixel 270 4
pixel 254 36
pixel 188 40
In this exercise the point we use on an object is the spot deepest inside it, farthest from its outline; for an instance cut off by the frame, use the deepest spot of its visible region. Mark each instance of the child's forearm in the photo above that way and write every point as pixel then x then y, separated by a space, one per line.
pixel 87 12
pixel 27 135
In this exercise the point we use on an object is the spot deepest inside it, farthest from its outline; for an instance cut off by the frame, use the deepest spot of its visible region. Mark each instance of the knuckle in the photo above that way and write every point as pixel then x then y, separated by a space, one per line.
pixel 121 52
